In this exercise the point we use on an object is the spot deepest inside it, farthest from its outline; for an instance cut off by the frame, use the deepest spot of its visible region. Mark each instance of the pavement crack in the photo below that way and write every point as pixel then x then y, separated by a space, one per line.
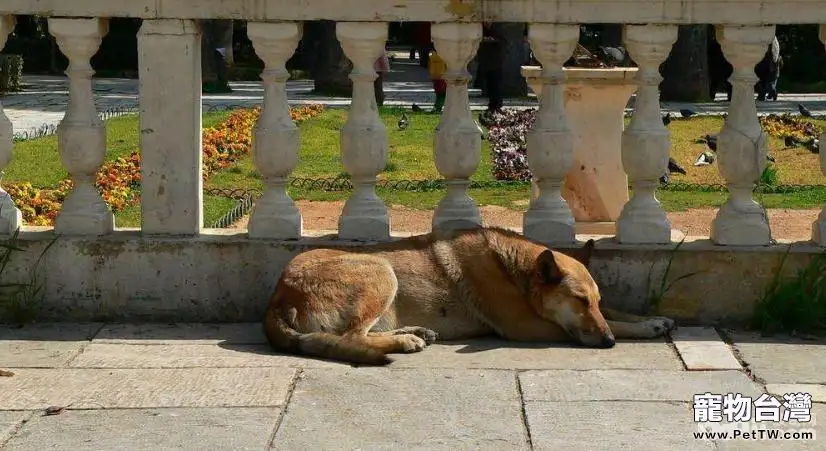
pixel 290 390
pixel 11 432
pixel 96 333
pixel 524 414
pixel 76 354
pixel 669 341
pixel 735 351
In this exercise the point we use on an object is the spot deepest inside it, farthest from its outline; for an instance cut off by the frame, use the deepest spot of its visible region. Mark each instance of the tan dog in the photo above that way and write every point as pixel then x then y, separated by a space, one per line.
pixel 359 305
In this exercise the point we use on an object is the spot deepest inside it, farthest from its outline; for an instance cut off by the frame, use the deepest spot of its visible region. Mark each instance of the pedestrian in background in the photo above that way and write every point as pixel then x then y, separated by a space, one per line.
pixel 436 67
pixel 491 56
pixel 381 66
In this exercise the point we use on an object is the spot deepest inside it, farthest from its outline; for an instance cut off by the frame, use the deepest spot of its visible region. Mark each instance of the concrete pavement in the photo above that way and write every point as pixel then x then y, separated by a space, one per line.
pixel 207 386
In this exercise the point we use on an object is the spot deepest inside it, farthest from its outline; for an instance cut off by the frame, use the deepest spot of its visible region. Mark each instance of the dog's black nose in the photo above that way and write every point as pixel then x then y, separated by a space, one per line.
pixel 608 341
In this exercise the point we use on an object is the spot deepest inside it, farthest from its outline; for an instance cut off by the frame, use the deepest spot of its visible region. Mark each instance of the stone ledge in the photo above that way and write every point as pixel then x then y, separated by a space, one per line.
pixel 222 276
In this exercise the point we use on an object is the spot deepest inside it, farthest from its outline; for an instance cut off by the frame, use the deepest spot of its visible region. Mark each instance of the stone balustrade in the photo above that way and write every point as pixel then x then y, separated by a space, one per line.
pixel 170 115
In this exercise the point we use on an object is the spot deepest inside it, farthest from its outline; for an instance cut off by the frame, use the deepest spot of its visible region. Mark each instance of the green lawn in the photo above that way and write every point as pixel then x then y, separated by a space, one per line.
pixel 411 158
pixel 410 152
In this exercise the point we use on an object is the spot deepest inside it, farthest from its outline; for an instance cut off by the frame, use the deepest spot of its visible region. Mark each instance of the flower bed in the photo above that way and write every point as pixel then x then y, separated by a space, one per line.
pixel 507 131
pixel 119 180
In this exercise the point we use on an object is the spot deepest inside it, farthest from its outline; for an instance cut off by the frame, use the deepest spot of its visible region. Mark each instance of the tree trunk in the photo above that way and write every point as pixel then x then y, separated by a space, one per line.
pixel 330 68
pixel 213 64
pixel 611 35
pixel 224 41
pixel 685 72
pixel 513 83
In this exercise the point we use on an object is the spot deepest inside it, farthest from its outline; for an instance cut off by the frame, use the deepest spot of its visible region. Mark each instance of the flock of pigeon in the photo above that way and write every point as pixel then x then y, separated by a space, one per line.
pixel 708 157
pixel 705 158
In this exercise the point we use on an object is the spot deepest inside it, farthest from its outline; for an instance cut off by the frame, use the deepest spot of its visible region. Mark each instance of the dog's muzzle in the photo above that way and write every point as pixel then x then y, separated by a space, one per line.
pixel 608 341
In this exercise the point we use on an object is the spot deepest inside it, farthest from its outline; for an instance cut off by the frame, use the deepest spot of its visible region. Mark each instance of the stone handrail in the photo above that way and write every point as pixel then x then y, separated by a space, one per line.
pixel 731 12
pixel 170 110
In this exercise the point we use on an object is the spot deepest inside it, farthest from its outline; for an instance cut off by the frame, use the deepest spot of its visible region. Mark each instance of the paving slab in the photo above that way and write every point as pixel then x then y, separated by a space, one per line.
pixel 818 425
pixel 177 334
pixel 702 348
pixel 631 385
pixel 101 355
pixel 783 360
pixel 611 426
pixel 46 345
pixel 38 354
pixel 51 331
pixel 817 391
pixel 149 429
pixel 150 388
pixel 509 355
pixel 412 409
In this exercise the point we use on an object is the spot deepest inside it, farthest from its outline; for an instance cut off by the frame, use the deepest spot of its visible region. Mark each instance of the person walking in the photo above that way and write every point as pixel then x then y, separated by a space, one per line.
pixel 768 71
pixel 436 67
pixel 491 56
pixel 381 66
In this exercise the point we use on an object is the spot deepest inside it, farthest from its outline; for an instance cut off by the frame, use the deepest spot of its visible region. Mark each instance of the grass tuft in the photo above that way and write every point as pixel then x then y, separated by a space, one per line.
pixel 795 304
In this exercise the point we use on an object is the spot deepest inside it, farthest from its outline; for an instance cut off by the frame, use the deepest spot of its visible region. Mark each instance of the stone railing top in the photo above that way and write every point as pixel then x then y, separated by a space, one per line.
pixel 590 76
pixel 734 12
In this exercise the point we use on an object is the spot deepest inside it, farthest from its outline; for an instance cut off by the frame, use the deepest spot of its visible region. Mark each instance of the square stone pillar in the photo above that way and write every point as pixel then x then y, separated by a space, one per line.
pixel 169 57
pixel 596 186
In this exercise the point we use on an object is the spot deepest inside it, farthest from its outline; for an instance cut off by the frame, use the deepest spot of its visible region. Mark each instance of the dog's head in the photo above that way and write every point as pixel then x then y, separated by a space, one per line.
pixel 565 293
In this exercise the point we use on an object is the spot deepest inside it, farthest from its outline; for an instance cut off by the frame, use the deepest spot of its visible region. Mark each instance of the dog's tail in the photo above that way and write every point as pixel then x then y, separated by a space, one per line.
pixel 320 344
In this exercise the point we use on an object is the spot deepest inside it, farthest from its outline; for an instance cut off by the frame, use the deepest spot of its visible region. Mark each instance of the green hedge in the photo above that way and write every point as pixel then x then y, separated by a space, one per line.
pixel 11 69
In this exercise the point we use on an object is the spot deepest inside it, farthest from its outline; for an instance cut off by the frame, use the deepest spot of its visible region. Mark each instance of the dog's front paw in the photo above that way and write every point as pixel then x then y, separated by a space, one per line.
pixel 659 326
pixel 410 343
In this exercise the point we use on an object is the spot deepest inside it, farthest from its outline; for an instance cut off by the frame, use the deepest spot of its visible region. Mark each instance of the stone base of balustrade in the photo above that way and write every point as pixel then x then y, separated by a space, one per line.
pixel 223 276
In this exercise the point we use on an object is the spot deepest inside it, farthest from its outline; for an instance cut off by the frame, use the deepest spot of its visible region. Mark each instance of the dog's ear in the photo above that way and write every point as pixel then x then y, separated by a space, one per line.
pixel 548 269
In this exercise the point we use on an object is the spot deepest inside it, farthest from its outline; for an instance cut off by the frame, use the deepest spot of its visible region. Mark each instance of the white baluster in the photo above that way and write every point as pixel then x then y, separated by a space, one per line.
pixel 819 226
pixel 742 142
pixel 646 143
pixel 550 140
pixel 363 136
pixel 10 216
pixel 458 141
pixel 275 136
pixel 81 135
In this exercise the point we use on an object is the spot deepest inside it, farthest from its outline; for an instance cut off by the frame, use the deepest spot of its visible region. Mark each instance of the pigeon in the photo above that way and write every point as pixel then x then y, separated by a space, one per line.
pixel 667 119
pixel 616 53
pixel 814 146
pixel 711 142
pixel 803 110
pixel 789 141
pixel 770 158
pixel 705 159
pixel 416 108
pixel 686 112
pixel 673 166
pixel 404 122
